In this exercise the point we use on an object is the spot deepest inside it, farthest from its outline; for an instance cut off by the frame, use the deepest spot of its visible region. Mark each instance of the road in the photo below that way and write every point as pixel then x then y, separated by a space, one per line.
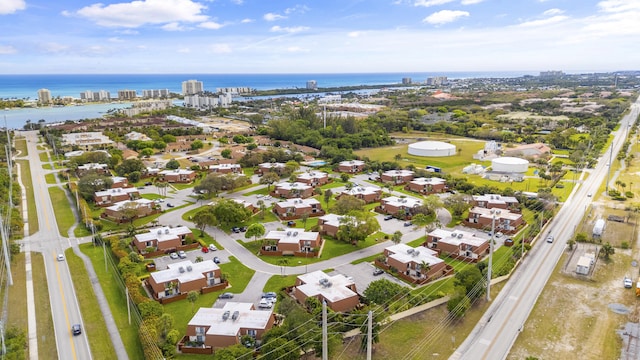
pixel 495 333
pixel 64 306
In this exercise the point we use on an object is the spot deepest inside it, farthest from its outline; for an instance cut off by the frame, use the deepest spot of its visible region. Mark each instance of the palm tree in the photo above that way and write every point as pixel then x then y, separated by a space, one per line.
pixel 424 268
pixel 607 250
pixel 396 237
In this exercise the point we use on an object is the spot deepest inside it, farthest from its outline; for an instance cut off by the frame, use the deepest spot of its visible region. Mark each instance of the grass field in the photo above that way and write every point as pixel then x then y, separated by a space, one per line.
pixel 94 325
pixel 117 302
pixel 50 178
pixel 21 146
pixel 64 215
pixel 25 172
pixel 46 340
pixel 16 306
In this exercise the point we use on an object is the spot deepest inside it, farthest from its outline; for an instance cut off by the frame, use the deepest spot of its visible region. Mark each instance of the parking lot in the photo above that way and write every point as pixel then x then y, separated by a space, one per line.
pixel 163 261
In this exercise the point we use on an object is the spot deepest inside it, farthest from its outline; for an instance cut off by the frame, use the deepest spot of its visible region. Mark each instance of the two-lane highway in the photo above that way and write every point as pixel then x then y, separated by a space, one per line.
pixel 495 333
pixel 64 306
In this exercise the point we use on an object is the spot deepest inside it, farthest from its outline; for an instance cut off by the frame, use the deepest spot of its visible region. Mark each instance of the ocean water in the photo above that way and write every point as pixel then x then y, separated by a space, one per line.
pixel 26 87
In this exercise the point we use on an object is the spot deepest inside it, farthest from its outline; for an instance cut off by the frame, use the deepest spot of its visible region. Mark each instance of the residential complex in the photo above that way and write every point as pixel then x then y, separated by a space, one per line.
pixel 338 291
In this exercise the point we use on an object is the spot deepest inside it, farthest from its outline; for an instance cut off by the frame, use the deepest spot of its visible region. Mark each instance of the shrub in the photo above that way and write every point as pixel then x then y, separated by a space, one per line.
pixel 624 245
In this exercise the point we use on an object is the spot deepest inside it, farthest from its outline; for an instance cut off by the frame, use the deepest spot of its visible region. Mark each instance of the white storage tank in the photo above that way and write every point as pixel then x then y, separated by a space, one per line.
pixel 432 149
pixel 509 164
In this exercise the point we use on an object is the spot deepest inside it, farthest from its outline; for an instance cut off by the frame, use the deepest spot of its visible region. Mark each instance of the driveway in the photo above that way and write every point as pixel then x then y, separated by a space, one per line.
pixel 362 275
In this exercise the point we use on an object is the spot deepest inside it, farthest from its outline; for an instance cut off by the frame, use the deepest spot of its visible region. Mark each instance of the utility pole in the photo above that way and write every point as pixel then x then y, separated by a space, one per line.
pixel 369 333
pixel 609 170
pixel 494 213
pixel 325 347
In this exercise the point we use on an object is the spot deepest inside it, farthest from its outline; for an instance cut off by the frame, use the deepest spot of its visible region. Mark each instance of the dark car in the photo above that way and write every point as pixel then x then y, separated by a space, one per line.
pixel 216 260
pixel 226 295
pixel 408 223
pixel 170 205
pixel 377 272
pixel 76 329
pixel 243 228
pixel 388 217
pixel 148 183
pixel 291 223
pixel 235 229
pixel 269 295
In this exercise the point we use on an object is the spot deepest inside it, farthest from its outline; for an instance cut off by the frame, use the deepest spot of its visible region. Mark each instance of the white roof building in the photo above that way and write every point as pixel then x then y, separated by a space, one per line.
pixel 163 233
pixel 175 172
pixel 406 254
pixel 94 138
pixel 116 191
pixel 362 190
pixel 457 237
pixel 246 317
pixel 292 186
pixel 291 236
pixel 333 288
pixel 184 271
pixel 422 181
pixel 138 203
pixel 406 202
pixel 93 166
pixel 298 203
pixel 400 173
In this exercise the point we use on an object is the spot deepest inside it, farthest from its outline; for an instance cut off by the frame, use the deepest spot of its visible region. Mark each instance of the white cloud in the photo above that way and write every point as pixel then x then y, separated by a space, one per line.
pixel 221 48
pixel 115 40
pixel 53 47
pixel 289 30
pixel 11 6
pixel 470 2
pixel 296 49
pixel 7 49
pixel 211 25
pixel 445 16
pixel 246 21
pixel 619 5
pixel 427 3
pixel 141 12
pixel 551 12
pixel 273 17
pixel 184 50
pixel 544 22
pixel 355 33
pixel 127 32
pixel 296 9
pixel 237 2
pixel 174 26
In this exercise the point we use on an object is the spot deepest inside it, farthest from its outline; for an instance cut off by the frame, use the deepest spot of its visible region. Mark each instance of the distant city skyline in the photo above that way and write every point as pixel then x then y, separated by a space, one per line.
pixel 330 36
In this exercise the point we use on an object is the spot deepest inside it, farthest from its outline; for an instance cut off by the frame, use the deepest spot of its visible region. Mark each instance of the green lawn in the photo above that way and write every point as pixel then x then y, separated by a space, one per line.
pixel 64 215
pixel 206 237
pixel 43 156
pixel 261 191
pixel 16 309
pixel 117 302
pixel 25 172
pixel 182 311
pixel 50 178
pixel 94 325
pixel 46 340
pixel 279 282
pixel 21 146
pixel 151 196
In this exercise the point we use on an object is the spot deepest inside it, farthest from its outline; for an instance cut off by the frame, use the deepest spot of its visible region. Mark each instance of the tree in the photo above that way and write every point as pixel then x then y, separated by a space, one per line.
pixel 230 212
pixel 92 182
pixel 134 176
pixel 422 220
pixel 204 218
pixel 344 177
pixel 280 349
pixel 383 291
pixel 607 250
pixel 129 211
pixel 269 179
pixel 162 188
pixel 128 166
pixel 146 152
pixel 396 237
pixel 304 217
pixel 197 145
pixel 459 303
pixel 347 204
pixel 192 297
pixel 172 164
pixel 468 278
pixel 457 203
pixel 357 226
pixel 233 352
pixel 327 197
pixel 254 230
pixel 226 153
pixel 571 243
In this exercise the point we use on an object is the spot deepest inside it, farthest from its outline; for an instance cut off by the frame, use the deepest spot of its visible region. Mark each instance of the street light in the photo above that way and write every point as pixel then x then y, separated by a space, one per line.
pixel 494 214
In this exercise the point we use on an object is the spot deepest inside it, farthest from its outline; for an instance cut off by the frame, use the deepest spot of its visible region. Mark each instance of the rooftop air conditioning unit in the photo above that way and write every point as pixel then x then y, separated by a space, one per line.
pixel 288 233
pixel 235 315
pixel 159 232
pixel 453 235
pixel 189 268
pixel 459 236
pixel 295 233
pixel 181 269
pixel 416 253
pixel 409 251
pixel 225 315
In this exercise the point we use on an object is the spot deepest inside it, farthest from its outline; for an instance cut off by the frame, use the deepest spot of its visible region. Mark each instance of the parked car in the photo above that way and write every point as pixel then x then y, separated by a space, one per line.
pixel 148 183
pixel 60 257
pixel 212 247
pixel 408 223
pixel 182 254
pixel 170 205
pixel 235 229
pixel 269 295
pixel 243 228
pixel 291 223
pixel 216 260
pixel 265 304
pixel 173 255
pixel 627 282
pixel 76 329
pixel 388 217
pixel 205 249
pixel 267 197
pixel 377 272
pixel 226 295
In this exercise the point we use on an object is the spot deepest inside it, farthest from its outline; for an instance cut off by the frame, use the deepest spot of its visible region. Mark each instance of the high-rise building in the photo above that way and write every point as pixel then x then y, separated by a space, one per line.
pixel 191 87
pixel 44 96
pixel 127 94
pixel 437 80
pixel 312 85
pixel 155 94
pixel 406 81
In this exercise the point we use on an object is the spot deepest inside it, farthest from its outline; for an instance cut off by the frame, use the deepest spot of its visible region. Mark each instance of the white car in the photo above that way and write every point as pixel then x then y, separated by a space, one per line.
pixel 60 257
pixel 628 284
pixel 265 304
pixel 550 238
pixel 182 254
pixel 212 247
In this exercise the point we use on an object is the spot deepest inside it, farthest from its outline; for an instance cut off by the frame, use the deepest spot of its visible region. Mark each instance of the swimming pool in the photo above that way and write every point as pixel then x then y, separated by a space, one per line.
pixel 317 163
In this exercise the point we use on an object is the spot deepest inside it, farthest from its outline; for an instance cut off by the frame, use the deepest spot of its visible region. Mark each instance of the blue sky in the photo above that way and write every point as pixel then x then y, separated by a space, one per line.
pixel 321 36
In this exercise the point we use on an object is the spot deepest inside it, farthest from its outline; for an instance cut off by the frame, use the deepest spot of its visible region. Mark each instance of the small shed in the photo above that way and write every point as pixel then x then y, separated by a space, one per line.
pixel 583 267
pixel 598 228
